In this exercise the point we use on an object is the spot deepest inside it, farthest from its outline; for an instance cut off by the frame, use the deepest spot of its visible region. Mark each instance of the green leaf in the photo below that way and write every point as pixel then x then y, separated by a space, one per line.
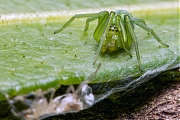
pixel 26 6
pixel 33 57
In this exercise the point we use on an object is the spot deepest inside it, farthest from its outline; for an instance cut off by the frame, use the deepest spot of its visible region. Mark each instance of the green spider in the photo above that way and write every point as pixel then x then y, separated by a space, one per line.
pixel 115 30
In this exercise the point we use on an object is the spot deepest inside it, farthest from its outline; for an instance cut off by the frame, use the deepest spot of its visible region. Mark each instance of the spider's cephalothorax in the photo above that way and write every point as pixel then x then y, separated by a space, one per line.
pixel 115 30
pixel 111 40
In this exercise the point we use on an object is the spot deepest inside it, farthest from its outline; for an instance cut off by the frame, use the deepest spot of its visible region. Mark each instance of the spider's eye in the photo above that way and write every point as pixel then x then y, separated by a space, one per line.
pixel 113 28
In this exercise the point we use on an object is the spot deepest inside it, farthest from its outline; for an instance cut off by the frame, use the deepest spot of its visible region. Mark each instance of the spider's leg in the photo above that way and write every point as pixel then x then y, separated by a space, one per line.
pixel 70 88
pixel 17 113
pixel 14 110
pixel 131 31
pixel 122 34
pixel 76 16
pixel 101 31
pixel 23 113
pixel 89 20
pixel 90 78
pixel 140 20
pixel 52 92
pixel 23 99
pixel 99 17
pixel 102 25
pixel 83 89
pixel 140 24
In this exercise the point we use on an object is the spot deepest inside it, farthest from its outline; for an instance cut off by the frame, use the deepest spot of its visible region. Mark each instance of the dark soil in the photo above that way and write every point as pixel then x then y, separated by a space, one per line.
pixel 165 106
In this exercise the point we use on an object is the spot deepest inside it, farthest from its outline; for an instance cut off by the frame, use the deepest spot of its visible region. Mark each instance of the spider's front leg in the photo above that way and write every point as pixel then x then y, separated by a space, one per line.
pixel 122 34
pixel 88 21
pixel 102 17
pixel 101 32
pixel 91 15
pixel 102 27
pixel 85 92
